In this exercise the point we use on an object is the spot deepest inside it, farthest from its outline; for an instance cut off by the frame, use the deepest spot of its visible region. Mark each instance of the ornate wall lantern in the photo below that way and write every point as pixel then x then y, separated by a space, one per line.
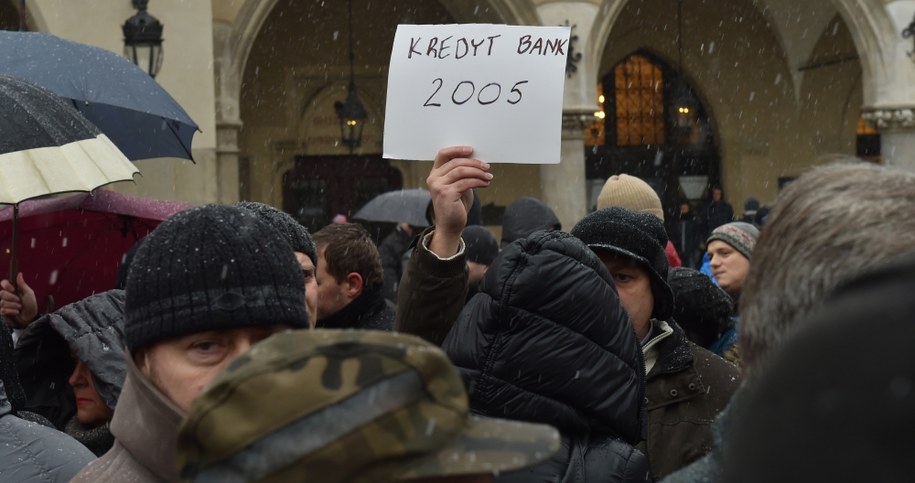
pixel 351 111
pixel 143 39
pixel 910 32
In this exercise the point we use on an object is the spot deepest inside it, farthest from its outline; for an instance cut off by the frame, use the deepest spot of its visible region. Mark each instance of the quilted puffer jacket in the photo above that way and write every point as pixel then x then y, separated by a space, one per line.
pixel 547 341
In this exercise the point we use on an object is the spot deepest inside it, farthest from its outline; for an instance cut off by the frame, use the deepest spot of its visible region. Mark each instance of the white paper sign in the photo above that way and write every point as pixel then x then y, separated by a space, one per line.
pixel 497 88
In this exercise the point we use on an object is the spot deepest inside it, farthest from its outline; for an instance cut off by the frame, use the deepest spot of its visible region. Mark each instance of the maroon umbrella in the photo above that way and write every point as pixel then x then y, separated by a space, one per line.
pixel 71 247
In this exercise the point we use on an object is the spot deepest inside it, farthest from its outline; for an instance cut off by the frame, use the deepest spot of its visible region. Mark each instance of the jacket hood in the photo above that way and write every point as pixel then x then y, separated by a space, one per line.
pixel 525 216
pixel 94 330
pixel 547 341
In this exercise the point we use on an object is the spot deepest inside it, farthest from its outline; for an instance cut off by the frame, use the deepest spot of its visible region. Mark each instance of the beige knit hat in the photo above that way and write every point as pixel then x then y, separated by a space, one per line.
pixel 632 193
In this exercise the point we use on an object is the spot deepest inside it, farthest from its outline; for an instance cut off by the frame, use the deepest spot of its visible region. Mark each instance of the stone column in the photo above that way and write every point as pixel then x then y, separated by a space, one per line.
pixel 563 185
pixel 228 186
pixel 228 123
pixel 897 135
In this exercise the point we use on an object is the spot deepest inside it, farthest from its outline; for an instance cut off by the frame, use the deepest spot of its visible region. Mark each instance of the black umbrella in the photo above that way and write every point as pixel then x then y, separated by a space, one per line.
pixel 134 111
pixel 47 147
pixel 401 206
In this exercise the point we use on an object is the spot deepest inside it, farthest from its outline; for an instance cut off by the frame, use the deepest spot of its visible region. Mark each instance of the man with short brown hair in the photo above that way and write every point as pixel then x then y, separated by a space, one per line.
pixel 350 280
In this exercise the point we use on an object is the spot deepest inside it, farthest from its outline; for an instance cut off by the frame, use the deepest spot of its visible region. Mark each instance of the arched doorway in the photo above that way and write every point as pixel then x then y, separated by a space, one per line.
pixel 296 71
pixel 9 15
pixel 653 126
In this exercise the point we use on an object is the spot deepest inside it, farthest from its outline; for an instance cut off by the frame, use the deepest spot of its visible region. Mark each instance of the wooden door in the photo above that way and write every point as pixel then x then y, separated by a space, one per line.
pixel 320 187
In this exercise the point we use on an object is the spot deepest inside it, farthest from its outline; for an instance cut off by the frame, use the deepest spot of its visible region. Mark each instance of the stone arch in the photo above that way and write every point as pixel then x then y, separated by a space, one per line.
pixel 232 45
pixel 869 22
pixel 875 37
pixel 234 41
pixel 609 12
pixel 231 48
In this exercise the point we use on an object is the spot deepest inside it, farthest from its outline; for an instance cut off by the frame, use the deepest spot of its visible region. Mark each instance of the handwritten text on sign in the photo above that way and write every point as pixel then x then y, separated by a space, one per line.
pixel 497 88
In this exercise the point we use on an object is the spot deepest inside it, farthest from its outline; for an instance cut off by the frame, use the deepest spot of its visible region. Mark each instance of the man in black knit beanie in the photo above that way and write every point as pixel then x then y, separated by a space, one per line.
pixel 686 385
pixel 303 247
pixel 205 286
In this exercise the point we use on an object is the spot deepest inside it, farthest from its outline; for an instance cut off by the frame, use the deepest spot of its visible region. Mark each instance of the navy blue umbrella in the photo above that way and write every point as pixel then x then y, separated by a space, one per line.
pixel 134 111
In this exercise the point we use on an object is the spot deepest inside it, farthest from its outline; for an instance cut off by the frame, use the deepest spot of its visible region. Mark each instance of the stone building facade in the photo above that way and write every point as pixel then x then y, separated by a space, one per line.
pixel 773 87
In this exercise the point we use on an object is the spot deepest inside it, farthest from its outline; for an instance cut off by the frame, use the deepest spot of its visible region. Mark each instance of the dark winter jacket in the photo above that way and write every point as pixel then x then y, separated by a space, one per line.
pixel 717 213
pixel 686 235
pixel 32 452
pixel 547 341
pixel 687 388
pixel 392 250
pixel 368 311
pixel 708 468
pixel 92 330
pixel 9 375
pixel 28 451
pixel 432 293
pixel 525 216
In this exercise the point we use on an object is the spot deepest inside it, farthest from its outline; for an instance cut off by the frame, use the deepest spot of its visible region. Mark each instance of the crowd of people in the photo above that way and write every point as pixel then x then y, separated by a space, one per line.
pixel 237 346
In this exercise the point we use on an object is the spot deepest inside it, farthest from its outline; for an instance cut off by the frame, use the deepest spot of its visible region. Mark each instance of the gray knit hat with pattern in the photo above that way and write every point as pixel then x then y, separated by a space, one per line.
pixel 742 236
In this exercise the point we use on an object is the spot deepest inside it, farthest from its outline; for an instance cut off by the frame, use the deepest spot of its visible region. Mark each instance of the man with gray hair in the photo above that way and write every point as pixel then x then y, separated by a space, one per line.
pixel 829 226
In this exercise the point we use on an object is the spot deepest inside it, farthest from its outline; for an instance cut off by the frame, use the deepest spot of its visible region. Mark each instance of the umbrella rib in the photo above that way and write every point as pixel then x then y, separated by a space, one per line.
pixel 171 126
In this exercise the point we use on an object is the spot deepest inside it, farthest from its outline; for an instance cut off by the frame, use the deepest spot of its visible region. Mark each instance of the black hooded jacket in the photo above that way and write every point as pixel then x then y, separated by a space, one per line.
pixel 92 330
pixel 547 341
pixel 525 216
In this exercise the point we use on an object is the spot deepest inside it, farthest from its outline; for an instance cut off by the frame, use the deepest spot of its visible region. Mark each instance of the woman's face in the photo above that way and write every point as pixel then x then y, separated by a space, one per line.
pixel 91 410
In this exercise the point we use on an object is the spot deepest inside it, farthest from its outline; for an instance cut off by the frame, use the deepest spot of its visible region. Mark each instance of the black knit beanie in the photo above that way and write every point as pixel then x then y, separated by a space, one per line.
pixel 212 268
pixel 480 245
pixel 636 235
pixel 525 216
pixel 701 308
pixel 296 234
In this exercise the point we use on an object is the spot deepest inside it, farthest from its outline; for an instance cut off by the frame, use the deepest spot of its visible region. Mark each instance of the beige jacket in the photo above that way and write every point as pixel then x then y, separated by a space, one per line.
pixel 145 427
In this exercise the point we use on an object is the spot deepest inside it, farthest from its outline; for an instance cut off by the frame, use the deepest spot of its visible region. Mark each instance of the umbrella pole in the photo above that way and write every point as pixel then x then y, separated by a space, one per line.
pixel 14 261
pixel 22 15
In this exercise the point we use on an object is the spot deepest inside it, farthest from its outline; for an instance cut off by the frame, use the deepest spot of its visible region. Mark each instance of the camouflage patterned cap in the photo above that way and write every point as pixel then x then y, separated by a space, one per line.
pixel 347 406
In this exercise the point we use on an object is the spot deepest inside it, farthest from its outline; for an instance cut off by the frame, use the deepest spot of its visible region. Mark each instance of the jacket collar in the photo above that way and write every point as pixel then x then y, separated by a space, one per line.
pixel 674 354
pixel 357 313
pixel 660 330
pixel 146 424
